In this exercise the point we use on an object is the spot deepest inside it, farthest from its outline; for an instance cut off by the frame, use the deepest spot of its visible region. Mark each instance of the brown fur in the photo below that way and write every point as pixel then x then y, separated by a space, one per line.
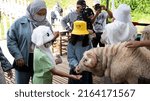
pixel 121 64
pixel 146 34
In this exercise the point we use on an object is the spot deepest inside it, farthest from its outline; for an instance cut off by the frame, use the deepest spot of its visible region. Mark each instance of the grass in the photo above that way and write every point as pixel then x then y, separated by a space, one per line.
pixel 141 18
pixel 145 18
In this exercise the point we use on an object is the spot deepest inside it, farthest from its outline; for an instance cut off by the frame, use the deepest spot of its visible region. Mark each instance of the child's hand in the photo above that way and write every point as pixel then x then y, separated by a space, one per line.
pixel 90 31
pixel 58 59
pixel 56 34
pixel 76 77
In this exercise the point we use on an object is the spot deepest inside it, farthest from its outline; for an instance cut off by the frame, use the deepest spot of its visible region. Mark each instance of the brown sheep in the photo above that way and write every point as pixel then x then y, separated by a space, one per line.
pixel 121 64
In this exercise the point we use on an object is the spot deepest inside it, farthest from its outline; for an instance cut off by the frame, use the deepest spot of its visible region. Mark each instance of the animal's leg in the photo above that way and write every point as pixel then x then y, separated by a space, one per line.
pixel 132 80
pixel 107 80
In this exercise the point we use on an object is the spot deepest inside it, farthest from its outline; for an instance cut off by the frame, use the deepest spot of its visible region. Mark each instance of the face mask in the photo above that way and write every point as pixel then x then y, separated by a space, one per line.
pixel 47 45
pixel 39 18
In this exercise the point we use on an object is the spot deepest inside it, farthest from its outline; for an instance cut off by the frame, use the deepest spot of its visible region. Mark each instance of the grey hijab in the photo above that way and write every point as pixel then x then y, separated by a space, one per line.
pixel 32 9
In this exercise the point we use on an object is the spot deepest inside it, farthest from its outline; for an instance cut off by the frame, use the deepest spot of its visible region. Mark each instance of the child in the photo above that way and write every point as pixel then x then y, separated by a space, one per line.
pixel 79 43
pixel 44 63
pixel 122 29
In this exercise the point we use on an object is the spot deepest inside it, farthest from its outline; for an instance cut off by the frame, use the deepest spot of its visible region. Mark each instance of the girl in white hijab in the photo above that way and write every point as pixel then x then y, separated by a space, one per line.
pixel 121 29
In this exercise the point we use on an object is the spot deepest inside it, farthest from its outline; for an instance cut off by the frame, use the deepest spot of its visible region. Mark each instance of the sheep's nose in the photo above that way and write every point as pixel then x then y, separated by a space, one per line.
pixel 77 69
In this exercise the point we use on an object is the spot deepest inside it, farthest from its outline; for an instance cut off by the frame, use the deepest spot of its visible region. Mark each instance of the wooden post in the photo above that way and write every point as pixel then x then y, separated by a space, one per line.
pixel 107 7
pixel 0 15
pixel 107 4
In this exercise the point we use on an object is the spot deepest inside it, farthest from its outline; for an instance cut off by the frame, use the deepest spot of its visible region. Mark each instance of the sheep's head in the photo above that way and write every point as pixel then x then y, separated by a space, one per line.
pixel 89 62
pixel 146 34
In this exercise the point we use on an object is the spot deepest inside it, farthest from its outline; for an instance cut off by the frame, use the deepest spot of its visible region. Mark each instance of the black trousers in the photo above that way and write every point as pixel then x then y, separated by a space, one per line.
pixel 96 40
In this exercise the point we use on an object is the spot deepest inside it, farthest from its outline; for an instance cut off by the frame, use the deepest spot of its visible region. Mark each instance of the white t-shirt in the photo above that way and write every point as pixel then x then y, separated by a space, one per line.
pixel 100 22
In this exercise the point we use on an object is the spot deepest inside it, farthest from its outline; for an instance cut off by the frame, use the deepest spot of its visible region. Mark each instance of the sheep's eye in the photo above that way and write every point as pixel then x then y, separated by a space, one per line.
pixel 47 34
pixel 85 60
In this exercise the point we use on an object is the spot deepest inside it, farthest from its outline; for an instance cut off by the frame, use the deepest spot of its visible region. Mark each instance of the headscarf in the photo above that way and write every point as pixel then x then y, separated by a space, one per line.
pixel 32 9
pixel 121 29
pixel 122 13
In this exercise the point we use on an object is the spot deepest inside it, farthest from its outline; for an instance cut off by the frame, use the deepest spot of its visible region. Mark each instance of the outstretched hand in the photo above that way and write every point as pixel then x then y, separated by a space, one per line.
pixel 133 44
pixel 76 77
pixel 56 34
pixel 58 59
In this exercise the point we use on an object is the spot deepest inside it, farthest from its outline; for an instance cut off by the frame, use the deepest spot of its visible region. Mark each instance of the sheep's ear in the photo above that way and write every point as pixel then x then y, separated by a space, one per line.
pixel 91 60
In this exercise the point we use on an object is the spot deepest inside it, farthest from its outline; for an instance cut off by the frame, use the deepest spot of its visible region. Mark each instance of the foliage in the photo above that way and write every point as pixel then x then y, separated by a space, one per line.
pixel 137 6
pixel 140 9
pixel 140 6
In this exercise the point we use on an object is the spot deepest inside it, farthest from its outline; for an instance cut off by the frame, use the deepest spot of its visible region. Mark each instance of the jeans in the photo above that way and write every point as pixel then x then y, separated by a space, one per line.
pixel 97 41
pixel 22 77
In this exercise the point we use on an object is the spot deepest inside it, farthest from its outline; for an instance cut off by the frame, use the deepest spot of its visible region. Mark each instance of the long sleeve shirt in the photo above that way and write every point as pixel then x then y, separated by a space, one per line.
pixel 75 53
pixel 5 64
pixel 19 39
pixel 70 18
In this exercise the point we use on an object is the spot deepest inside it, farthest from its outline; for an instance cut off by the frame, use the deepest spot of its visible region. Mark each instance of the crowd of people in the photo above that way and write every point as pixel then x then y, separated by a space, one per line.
pixel 88 29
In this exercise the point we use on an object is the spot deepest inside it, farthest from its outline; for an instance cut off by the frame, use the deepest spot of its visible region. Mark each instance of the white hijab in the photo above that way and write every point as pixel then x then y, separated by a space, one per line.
pixel 40 36
pixel 121 29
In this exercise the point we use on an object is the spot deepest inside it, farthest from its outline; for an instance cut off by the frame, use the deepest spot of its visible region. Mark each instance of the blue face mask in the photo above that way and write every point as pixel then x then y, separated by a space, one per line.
pixel 39 18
